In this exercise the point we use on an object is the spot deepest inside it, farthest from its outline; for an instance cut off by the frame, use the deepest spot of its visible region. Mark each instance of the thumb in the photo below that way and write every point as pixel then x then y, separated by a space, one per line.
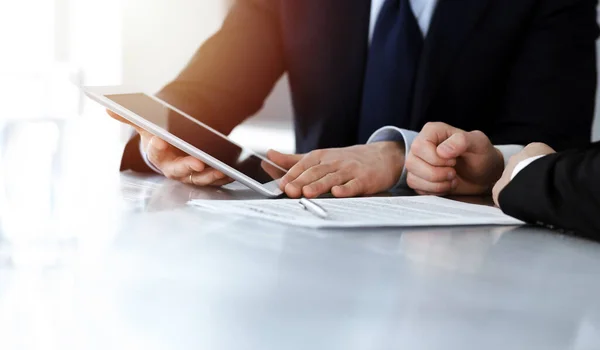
pixel 455 146
pixel 125 121
pixel 285 161
pixel 118 117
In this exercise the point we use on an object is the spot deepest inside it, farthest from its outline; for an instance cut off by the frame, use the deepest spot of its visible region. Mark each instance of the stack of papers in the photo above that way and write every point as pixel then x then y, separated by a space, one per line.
pixel 364 212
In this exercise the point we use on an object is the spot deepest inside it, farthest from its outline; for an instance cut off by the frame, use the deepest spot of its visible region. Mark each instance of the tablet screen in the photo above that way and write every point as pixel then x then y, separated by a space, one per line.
pixel 243 160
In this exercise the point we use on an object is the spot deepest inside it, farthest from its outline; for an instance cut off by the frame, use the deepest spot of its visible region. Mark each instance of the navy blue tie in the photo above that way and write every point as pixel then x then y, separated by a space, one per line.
pixel 391 69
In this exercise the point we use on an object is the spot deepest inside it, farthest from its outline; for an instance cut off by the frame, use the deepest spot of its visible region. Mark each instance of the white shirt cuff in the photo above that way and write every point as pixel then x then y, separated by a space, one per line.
pixel 392 133
pixel 508 151
pixel 147 161
pixel 524 164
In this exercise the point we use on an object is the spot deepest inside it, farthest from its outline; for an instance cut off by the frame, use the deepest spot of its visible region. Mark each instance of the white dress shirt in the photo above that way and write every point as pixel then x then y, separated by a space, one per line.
pixel 524 164
pixel 423 10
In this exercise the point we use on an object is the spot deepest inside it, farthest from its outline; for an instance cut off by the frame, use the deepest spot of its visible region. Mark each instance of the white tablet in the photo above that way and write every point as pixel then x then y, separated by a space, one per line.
pixel 213 148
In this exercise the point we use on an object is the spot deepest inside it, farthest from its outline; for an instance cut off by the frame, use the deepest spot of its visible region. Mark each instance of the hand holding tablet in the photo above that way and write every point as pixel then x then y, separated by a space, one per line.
pixel 190 145
pixel 173 163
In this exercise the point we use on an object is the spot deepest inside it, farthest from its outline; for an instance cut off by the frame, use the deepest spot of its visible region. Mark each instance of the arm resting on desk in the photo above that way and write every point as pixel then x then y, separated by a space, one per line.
pixel 561 190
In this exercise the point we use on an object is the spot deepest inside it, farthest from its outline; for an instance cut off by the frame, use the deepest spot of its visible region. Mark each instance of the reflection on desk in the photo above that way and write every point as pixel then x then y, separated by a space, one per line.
pixel 120 262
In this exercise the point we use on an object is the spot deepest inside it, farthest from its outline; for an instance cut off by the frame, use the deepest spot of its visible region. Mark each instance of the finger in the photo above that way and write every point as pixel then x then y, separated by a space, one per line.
pixel 223 182
pixel 421 169
pixel 170 161
pixel 159 152
pixel 437 188
pixel 307 162
pixel 207 177
pixel 423 193
pixel 273 172
pixel 459 143
pixel 326 183
pixel 294 188
pixel 455 146
pixel 124 121
pixel 426 150
pixel 118 117
pixel 182 167
pixel 286 161
pixel 436 133
pixel 352 188
pixel 145 139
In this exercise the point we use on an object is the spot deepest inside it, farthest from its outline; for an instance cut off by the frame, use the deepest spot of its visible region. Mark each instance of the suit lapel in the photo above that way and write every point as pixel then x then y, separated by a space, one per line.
pixel 450 28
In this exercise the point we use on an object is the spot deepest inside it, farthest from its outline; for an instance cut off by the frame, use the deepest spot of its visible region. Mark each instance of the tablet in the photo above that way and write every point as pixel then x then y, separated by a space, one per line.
pixel 192 137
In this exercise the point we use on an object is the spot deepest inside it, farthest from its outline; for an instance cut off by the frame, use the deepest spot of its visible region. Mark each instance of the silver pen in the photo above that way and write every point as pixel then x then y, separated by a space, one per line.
pixel 313 208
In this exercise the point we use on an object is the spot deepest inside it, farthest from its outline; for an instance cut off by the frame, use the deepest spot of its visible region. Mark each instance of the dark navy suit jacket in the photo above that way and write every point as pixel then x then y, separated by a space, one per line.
pixel 560 191
pixel 518 70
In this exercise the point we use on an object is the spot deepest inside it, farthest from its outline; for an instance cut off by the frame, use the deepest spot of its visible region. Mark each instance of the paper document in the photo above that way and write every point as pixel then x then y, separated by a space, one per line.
pixel 364 212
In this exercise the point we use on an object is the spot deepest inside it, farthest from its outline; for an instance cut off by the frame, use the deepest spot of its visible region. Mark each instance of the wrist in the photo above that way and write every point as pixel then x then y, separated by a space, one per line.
pixel 495 174
pixel 497 167
pixel 394 153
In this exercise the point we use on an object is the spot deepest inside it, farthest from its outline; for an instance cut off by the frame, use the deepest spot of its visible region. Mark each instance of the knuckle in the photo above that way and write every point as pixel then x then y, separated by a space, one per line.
pixel 361 181
pixel 440 187
pixel 410 162
pixel 430 175
pixel 311 171
pixel 333 179
pixel 357 186
pixel 440 174
pixel 297 183
pixel 534 145
pixel 477 133
pixel 538 146
pixel 317 153
pixel 352 166
pixel 170 176
pixel 417 147
pixel 430 126
pixel 318 170
pixel 294 172
pixel 317 187
pixel 461 137
pixel 338 163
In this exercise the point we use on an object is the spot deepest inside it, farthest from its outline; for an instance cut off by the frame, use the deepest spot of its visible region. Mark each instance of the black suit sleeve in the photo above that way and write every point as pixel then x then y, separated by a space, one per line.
pixel 230 76
pixel 561 190
pixel 550 95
